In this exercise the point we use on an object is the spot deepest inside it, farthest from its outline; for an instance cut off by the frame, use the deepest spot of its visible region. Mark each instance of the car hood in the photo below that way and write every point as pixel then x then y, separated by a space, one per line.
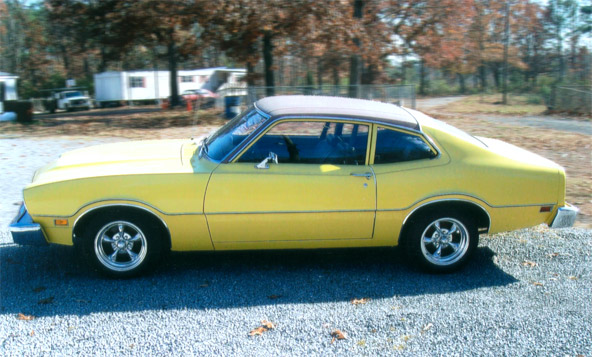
pixel 127 158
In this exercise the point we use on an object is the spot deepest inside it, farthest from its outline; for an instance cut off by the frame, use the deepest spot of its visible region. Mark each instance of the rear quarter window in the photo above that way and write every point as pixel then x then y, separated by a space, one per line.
pixel 394 146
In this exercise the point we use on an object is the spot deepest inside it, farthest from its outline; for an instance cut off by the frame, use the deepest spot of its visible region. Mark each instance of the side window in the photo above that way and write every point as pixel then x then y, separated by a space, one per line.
pixel 312 142
pixel 136 82
pixel 396 146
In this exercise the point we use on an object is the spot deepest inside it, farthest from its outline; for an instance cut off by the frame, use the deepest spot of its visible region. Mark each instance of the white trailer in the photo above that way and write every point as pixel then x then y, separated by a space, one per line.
pixel 130 86
pixel 8 86
pixel 7 92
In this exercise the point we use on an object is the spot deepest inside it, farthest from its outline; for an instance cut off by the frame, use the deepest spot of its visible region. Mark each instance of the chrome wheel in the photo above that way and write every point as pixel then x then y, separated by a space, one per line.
pixel 445 241
pixel 120 246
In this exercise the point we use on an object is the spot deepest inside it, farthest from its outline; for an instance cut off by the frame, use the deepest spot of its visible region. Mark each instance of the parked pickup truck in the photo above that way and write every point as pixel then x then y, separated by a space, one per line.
pixel 67 100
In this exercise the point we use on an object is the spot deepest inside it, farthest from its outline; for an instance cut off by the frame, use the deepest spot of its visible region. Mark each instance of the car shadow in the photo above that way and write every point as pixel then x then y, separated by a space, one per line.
pixel 50 281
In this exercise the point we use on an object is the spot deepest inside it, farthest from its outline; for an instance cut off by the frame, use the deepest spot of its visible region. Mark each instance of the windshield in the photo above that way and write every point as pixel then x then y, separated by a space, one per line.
pixel 73 94
pixel 228 137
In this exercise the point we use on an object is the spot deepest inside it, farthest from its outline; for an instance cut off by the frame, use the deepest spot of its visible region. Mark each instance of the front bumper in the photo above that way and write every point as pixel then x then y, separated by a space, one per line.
pixel 565 217
pixel 80 105
pixel 24 231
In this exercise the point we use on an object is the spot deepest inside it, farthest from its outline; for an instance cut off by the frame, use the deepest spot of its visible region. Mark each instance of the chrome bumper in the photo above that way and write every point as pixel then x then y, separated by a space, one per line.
pixel 24 231
pixel 566 217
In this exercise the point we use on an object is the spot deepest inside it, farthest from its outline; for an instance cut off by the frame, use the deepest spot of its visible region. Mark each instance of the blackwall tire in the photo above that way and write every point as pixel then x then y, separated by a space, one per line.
pixel 122 245
pixel 441 242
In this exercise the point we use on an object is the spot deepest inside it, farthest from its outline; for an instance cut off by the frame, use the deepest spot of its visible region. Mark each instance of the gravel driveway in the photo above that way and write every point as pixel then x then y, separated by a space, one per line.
pixel 526 293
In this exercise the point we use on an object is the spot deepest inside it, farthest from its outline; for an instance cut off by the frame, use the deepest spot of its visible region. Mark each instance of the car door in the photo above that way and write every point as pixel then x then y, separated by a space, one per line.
pixel 320 193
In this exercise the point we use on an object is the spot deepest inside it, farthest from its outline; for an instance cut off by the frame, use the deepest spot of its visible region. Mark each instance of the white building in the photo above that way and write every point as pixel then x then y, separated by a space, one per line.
pixel 154 85
pixel 7 92
pixel 8 86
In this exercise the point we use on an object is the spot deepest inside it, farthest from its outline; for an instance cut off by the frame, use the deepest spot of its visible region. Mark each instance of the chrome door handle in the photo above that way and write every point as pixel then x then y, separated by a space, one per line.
pixel 367 175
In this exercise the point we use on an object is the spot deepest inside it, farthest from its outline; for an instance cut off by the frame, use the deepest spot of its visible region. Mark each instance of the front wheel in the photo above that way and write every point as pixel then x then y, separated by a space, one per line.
pixel 441 241
pixel 122 246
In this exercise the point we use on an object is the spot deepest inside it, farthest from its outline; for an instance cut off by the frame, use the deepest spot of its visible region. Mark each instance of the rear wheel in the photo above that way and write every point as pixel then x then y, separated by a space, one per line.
pixel 441 241
pixel 123 245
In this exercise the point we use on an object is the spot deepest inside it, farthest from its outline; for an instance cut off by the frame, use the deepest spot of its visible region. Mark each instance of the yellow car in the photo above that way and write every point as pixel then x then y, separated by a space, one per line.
pixel 294 172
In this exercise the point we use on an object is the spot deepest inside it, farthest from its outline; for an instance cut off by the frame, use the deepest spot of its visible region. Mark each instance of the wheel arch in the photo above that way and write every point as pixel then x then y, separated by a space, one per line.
pixel 475 210
pixel 87 216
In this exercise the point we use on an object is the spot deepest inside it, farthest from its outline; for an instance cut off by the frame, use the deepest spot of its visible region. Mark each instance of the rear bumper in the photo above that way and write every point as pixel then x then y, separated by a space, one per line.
pixel 24 231
pixel 565 217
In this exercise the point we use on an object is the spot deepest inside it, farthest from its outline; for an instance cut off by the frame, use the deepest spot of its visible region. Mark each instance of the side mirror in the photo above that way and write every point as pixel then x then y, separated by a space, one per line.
pixel 264 164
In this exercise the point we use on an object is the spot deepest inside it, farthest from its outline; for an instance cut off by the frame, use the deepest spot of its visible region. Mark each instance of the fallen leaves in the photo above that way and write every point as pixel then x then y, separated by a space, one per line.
pixel 528 263
pixel 338 335
pixel 360 301
pixel 257 331
pixel 265 326
pixel 25 317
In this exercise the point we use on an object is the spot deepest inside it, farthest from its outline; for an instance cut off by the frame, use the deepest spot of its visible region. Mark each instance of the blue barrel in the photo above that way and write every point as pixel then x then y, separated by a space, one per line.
pixel 232 106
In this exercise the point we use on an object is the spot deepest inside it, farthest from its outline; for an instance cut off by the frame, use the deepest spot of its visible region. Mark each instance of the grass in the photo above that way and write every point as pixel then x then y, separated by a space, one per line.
pixel 491 104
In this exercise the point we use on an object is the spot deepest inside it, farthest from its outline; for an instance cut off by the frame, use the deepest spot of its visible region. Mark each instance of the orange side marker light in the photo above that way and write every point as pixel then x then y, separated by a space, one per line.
pixel 60 222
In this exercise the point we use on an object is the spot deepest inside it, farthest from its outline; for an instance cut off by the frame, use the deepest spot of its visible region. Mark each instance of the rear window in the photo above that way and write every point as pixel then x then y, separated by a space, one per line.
pixel 395 146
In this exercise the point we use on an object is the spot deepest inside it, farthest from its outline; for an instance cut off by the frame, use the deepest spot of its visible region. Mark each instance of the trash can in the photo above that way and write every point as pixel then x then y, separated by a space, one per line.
pixel 22 108
pixel 232 106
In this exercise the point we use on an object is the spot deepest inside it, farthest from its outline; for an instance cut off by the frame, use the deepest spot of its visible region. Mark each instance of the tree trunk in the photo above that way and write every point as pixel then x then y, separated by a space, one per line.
pixel 404 70
pixel 422 77
pixel 496 75
pixel 250 74
pixel 66 59
pixel 506 44
pixel 174 82
pixel 336 81
pixel 268 61
pixel 309 82
pixel 87 71
pixel 320 72
pixel 103 61
pixel 461 82
pixel 369 75
pixel 482 77
pixel 354 74
pixel 281 70
pixel 355 61
pixel 336 73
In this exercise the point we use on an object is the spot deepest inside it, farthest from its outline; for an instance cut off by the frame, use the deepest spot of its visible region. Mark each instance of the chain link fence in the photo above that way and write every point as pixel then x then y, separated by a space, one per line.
pixel 245 96
pixel 572 99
